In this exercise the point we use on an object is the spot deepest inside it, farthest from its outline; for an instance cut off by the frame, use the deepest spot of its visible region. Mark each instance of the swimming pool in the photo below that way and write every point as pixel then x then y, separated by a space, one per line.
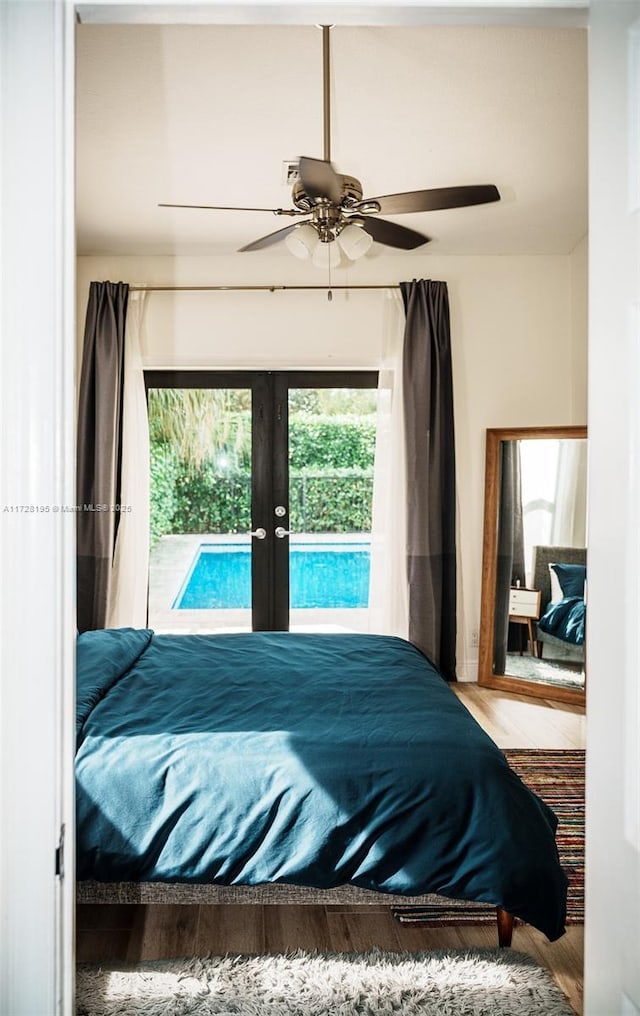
pixel 330 575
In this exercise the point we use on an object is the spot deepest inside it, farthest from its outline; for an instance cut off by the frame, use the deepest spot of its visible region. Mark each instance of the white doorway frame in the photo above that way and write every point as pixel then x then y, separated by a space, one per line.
pixel 37 480
pixel 37 560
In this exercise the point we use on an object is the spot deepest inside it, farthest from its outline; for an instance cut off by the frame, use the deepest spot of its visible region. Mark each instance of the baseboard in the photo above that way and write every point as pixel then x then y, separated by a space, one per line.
pixel 467 671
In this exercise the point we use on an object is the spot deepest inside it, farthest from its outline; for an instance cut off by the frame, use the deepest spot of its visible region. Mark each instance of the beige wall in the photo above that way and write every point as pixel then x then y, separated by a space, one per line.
pixel 518 335
pixel 579 327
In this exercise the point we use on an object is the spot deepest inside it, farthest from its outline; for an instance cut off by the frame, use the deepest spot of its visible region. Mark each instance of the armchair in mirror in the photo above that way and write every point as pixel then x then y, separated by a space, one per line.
pixel 534 569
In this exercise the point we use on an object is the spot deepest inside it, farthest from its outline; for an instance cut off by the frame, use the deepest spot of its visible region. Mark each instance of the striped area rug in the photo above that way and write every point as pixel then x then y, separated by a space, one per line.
pixel 557 776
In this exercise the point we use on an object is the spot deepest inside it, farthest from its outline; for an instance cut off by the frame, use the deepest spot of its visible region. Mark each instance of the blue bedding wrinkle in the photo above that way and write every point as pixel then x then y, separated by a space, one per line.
pixel 566 620
pixel 313 760
pixel 102 657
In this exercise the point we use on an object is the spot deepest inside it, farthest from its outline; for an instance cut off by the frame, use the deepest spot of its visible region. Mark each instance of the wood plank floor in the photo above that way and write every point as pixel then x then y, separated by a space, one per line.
pixel 129 933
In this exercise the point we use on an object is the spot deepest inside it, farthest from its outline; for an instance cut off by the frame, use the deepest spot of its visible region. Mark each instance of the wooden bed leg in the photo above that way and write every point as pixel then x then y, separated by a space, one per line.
pixel 505 927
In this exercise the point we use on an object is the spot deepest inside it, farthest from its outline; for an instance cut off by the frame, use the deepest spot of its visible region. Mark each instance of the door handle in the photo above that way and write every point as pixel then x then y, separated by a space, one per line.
pixel 281 532
pixel 260 533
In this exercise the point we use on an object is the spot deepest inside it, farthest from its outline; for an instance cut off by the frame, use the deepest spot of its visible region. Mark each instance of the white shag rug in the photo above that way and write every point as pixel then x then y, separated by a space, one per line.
pixel 474 982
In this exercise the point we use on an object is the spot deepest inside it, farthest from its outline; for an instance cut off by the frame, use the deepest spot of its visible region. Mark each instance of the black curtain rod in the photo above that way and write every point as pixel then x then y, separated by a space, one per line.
pixel 269 289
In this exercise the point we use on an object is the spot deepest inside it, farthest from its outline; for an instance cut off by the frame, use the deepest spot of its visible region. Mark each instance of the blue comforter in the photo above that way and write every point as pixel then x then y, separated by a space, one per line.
pixel 314 760
pixel 565 619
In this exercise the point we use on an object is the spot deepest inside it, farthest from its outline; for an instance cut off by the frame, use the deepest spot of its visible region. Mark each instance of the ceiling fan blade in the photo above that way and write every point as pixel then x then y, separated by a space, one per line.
pixel 319 179
pixel 266 241
pixel 437 198
pixel 393 235
pixel 231 208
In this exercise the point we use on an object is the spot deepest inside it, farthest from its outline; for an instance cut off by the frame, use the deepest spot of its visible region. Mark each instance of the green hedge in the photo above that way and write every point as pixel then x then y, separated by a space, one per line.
pixel 320 501
pixel 332 442
pixel 330 500
pixel 164 473
pixel 331 481
pixel 337 442
pixel 208 501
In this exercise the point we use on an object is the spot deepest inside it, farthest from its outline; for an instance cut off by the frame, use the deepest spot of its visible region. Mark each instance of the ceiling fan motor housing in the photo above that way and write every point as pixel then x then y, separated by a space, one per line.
pixel 351 193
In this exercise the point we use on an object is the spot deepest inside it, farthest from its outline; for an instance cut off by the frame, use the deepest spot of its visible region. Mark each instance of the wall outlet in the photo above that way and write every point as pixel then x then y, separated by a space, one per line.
pixel 474 638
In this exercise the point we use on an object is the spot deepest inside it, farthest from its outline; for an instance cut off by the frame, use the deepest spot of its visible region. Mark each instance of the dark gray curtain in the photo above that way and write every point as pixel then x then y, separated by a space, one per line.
pixel 99 448
pixel 510 561
pixel 431 495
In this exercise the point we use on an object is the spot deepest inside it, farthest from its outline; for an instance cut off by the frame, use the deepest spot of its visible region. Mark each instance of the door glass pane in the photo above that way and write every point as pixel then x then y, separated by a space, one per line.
pixel 331 452
pixel 200 559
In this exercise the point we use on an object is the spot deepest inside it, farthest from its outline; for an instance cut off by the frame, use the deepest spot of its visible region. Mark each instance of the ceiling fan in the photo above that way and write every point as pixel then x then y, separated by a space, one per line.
pixel 330 206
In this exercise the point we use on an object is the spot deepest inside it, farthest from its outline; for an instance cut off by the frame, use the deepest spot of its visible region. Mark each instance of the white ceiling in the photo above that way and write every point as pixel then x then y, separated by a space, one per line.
pixel 208 115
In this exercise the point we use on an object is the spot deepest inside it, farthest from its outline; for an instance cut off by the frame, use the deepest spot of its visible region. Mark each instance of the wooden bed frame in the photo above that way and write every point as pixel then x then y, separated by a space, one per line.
pixel 160 892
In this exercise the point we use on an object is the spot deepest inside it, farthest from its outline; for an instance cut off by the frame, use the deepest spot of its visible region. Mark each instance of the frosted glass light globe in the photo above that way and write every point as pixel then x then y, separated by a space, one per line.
pixel 302 241
pixel 355 241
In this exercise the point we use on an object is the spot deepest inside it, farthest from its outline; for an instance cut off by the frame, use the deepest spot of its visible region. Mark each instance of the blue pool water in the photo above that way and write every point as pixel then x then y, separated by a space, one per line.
pixel 320 575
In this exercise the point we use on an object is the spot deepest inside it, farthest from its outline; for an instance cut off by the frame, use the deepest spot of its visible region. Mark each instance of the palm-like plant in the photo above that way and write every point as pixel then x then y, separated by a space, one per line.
pixel 197 423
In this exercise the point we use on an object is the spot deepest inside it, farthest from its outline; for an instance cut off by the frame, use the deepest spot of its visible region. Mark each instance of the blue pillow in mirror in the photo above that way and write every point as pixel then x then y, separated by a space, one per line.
pixel 572 578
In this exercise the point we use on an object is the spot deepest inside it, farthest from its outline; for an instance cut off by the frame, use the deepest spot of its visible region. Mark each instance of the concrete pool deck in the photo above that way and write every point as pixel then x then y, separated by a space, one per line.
pixel 171 559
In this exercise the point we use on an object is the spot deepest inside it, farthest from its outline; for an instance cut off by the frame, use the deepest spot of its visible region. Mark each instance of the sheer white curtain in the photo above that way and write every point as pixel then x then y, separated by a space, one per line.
pixel 128 592
pixel 569 520
pixel 388 589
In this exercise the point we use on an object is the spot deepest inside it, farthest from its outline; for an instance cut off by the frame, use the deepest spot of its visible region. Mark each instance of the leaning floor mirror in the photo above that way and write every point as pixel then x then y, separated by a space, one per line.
pixel 534 571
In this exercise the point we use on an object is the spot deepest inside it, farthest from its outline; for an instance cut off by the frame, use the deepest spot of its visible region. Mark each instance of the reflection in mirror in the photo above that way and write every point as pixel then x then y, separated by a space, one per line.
pixel 534 583
pixel 541 561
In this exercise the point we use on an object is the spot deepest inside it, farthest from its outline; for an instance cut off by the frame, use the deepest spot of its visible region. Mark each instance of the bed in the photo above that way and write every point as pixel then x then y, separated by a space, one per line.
pixel 560 631
pixel 259 766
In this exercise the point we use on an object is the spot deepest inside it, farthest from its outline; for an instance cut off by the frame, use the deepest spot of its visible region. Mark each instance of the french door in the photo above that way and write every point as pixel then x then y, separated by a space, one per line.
pixel 261 491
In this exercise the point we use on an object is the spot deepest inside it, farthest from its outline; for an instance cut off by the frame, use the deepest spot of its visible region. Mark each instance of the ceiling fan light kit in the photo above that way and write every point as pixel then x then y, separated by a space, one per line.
pixel 305 241
pixel 302 241
pixel 355 241
pixel 337 217
pixel 326 255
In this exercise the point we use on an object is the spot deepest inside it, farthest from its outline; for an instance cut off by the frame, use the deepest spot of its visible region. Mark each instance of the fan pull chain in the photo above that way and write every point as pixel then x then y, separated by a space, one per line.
pixel 329 293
